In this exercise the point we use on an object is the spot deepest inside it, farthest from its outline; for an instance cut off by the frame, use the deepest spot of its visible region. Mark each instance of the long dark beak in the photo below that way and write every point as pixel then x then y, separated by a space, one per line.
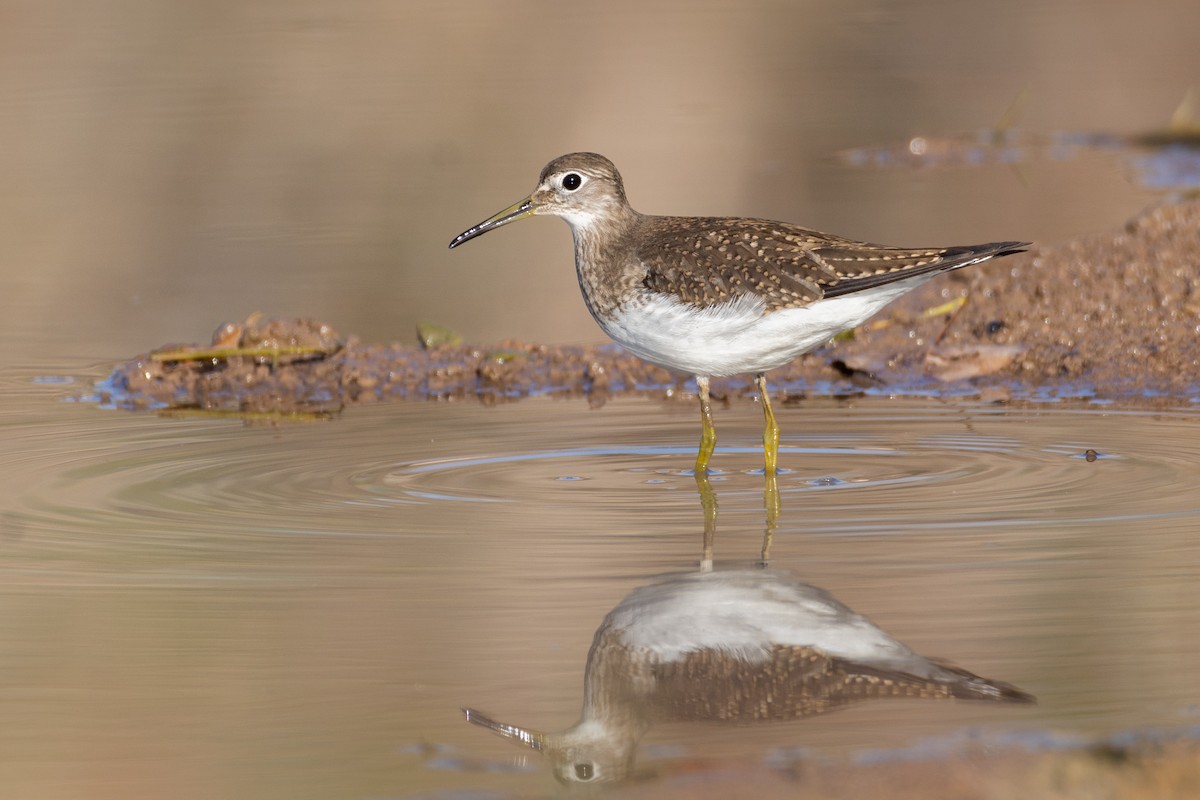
pixel 534 739
pixel 513 213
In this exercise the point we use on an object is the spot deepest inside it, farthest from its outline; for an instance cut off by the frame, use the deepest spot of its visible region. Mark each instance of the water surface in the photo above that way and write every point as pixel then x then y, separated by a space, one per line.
pixel 201 608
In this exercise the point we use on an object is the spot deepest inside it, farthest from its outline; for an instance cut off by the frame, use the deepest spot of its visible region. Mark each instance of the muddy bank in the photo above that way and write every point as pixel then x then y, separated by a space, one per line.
pixel 1113 315
pixel 1140 770
pixel 1119 310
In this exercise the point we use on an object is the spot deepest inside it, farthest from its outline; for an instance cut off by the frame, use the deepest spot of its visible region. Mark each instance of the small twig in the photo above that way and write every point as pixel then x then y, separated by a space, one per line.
pixel 234 352
pixel 962 303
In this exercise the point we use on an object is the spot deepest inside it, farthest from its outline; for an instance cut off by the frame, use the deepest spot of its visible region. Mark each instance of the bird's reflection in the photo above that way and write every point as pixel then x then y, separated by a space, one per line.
pixel 708 503
pixel 738 645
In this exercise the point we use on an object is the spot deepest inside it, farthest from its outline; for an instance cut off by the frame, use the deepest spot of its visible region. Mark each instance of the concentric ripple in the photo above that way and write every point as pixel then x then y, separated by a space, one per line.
pixel 143 492
pixel 877 473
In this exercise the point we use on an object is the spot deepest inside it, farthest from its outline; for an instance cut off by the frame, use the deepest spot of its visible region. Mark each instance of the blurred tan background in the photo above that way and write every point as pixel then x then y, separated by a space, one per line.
pixel 166 165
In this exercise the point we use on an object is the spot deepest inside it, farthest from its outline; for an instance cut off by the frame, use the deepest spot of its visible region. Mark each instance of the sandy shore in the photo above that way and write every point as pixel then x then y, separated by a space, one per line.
pixel 1140 772
pixel 1113 315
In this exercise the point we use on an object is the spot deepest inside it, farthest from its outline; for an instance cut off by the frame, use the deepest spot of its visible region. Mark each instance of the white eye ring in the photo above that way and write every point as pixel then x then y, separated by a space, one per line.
pixel 572 181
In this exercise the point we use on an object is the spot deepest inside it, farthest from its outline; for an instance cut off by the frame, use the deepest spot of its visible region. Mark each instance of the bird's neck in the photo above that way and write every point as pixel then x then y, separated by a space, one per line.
pixel 617 687
pixel 605 257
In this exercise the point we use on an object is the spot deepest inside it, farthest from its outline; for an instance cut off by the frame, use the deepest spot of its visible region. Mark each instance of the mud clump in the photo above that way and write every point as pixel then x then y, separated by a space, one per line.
pixel 1113 315
pixel 304 367
pixel 1120 310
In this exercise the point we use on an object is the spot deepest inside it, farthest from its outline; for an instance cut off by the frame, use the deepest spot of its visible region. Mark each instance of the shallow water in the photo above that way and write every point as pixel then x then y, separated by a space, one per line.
pixel 196 608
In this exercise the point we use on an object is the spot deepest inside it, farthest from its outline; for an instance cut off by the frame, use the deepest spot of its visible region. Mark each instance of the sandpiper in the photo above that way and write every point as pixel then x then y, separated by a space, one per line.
pixel 719 296
pixel 740 646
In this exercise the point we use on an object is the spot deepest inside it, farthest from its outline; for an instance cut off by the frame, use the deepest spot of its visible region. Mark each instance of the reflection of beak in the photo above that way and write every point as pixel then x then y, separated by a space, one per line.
pixel 517 211
pixel 534 739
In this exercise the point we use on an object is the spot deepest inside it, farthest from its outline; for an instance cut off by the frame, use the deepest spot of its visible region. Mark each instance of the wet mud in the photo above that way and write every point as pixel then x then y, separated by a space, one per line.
pixel 1136 770
pixel 1112 315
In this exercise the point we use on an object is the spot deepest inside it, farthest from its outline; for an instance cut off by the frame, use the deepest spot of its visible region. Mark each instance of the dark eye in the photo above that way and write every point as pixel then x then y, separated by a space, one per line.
pixel 571 182
pixel 584 771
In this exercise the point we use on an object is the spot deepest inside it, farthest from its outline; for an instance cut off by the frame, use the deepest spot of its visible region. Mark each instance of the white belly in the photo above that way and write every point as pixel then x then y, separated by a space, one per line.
pixel 739 336
pixel 744 613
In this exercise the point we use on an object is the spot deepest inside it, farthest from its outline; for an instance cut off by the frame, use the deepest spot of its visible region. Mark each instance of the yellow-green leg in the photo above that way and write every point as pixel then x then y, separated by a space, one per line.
pixel 774 508
pixel 708 502
pixel 708 434
pixel 771 431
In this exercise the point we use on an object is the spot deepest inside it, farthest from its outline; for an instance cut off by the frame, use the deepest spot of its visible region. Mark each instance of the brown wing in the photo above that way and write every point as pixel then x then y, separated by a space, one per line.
pixel 706 261
pixel 797 682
